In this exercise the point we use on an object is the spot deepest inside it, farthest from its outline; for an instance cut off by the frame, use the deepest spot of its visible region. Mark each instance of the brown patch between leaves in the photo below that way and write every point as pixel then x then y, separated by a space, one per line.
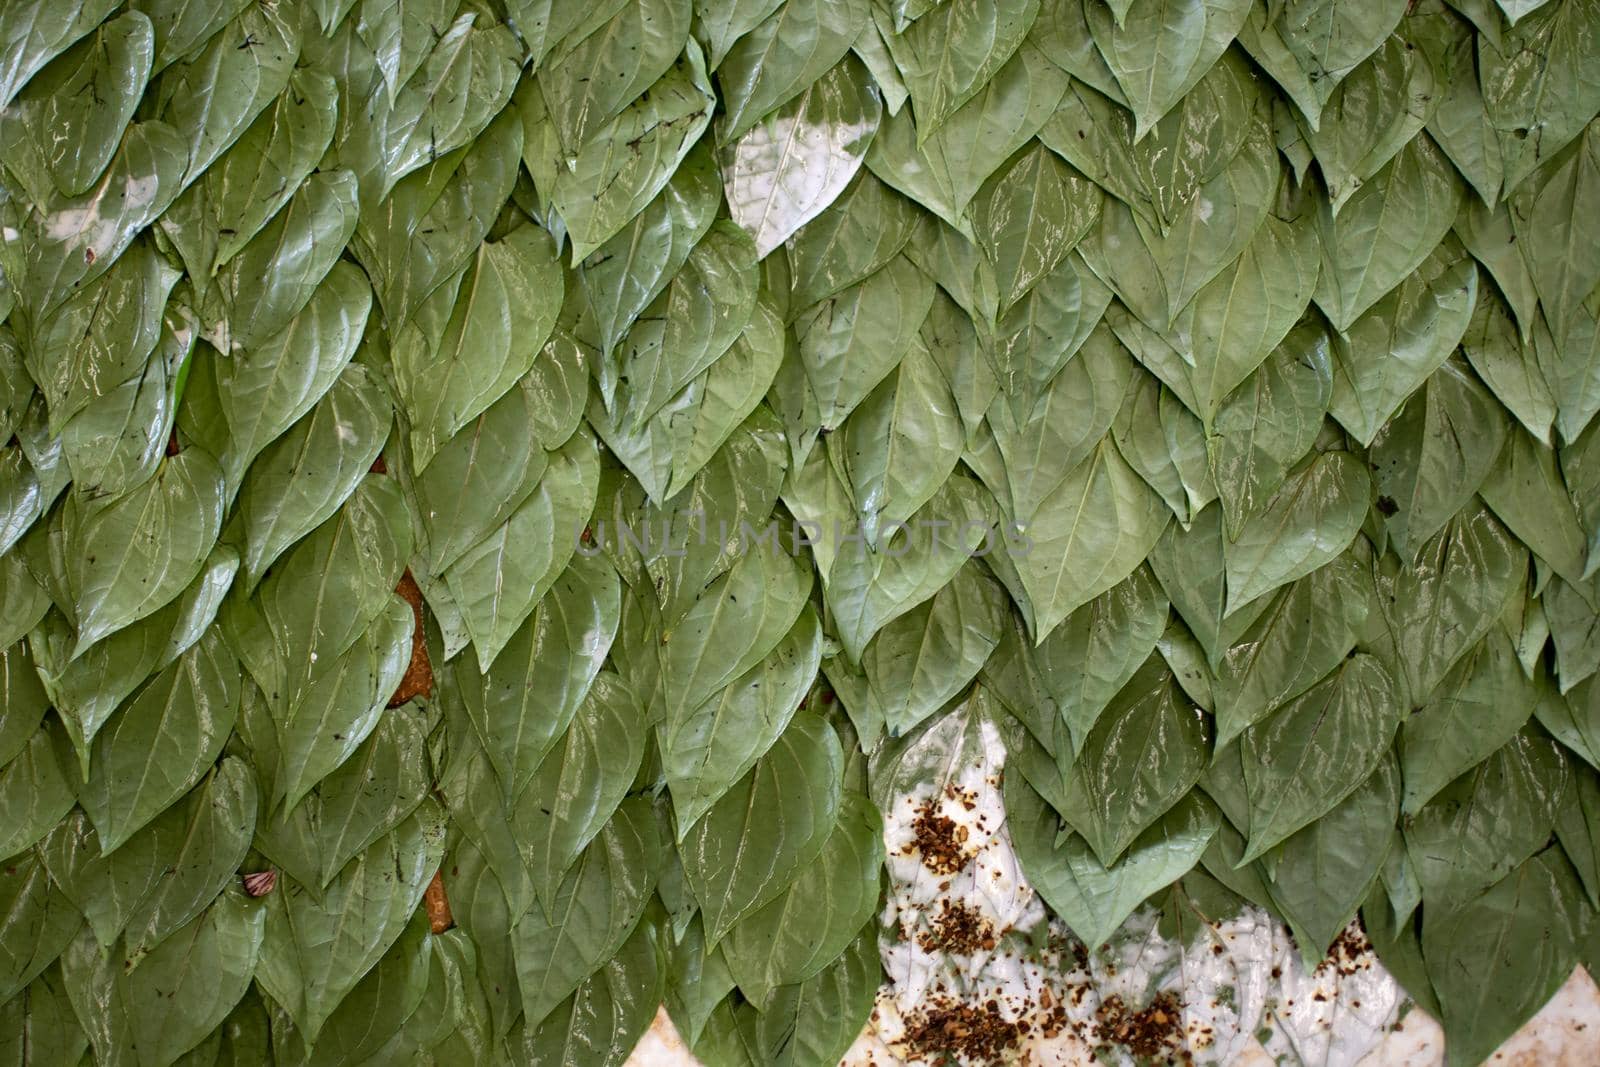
pixel 939 839
pixel 438 905
pixel 379 466
pixel 418 679
pixel 172 444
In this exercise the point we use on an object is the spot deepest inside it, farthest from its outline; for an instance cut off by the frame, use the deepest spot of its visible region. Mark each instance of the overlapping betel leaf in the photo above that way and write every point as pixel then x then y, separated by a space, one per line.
pixel 501 501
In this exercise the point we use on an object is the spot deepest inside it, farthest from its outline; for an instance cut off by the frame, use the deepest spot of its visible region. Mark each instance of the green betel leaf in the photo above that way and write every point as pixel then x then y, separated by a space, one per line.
pixel 479 477
pixel 264 391
pixel 162 741
pixel 1485 992
pixel 707 748
pixel 365 798
pixel 578 786
pixel 21 497
pixel 40 1023
pixel 603 189
pixel 1382 105
pixel 1574 828
pixel 1573 718
pixel 1534 111
pixel 1171 454
pixel 302 478
pixel 1158 175
pixel 1563 271
pixel 1387 353
pixel 378 1008
pixel 1309 47
pixel 98 225
pixel 1149 734
pixel 1159 50
pixel 181 28
pixel 1302 635
pixel 524 702
pixel 178 993
pixel 1316 750
pixel 853 237
pixel 782 172
pixel 1029 216
pixel 466 79
pixel 25 700
pixel 497 582
pixel 1189 565
pixel 1526 491
pixel 339 707
pixel 35 31
pixel 324 595
pixel 484 819
pixel 435 219
pixel 714 519
pixel 900 444
pixel 92 89
pixel 1437 610
pixel 922 660
pixel 606 1015
pixel 109 328
pixel 1038 447
pixel 686 329
pixel 469 344
pixel 791 940
pixel 1090 533
pixel 1482 825
pixel 851 341
pixel 624 275
pixel 809 1024
pixel 87 690
pixel 783 56
pixel 165 874
pixel 1479 707
pixel 945 170
pixel 315 951
pixel 679 439
pixel 294 252
pixel 737 621
pixel 212 92
pixel 44 921
pixel 117 441
pixel 400 35
pixel 597 907
pixel 867 590
pixel 720 23
pixel 793 793
pixel 696 982
pixel 1435 454
pixel 1490 236
pixel 1075 672
pixel 947 59
pixel 1497 354
pixel 1325 871
pixel 1385 231
pixel 1311 518
pixel 1092 898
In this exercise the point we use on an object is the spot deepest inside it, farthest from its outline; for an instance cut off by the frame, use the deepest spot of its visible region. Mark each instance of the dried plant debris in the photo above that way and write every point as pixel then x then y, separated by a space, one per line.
pixel 460 435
